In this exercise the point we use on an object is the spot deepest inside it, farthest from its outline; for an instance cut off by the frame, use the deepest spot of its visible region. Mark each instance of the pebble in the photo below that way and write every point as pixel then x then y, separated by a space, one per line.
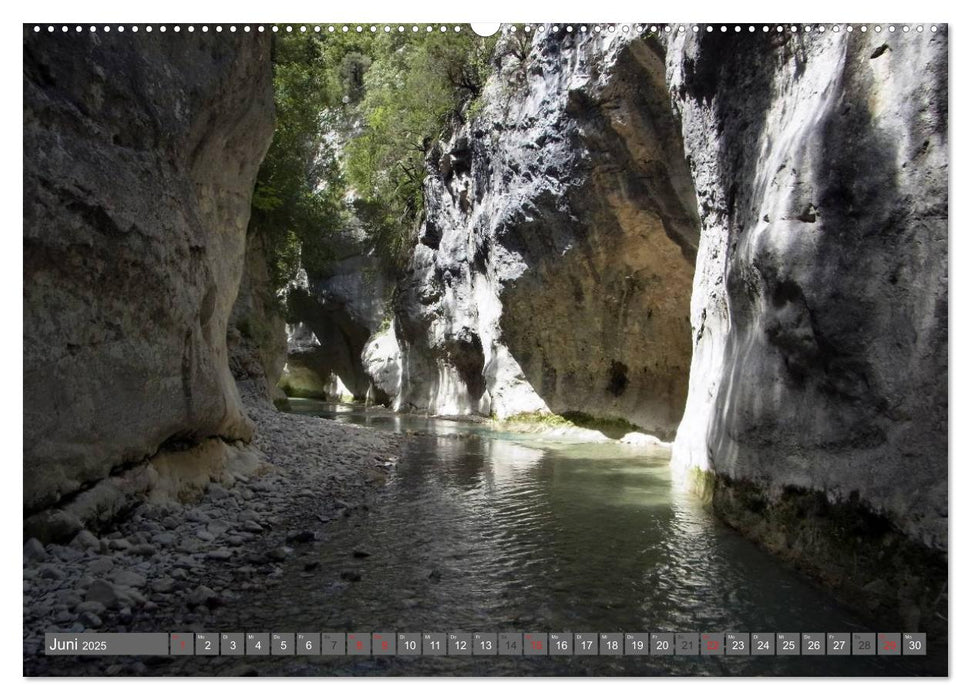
pixel 90 620
pixel 217 492
pixel 203 595
pixel 166 549
pixel 102 592
pixel 50 571
pixel 129 578
pixel 91 606
pixel 101 565
pixel 34 550
pixel 68 598
pixel 86 540
pixel 163 585
pixel 66 554
pixel 197 515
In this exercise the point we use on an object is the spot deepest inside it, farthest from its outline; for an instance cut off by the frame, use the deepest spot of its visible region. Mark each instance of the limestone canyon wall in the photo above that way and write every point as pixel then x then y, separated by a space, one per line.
pixel 770 208
pixel 817 409
pixel 140 155
pixel 332 313
pixel 554 265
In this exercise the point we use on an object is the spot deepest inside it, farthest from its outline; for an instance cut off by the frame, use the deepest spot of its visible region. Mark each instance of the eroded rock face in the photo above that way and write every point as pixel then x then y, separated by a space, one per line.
pixel 818 394
pixel 257 332
pixel 332 314
pixel 801 180
pixel 555 263
pixel 140 155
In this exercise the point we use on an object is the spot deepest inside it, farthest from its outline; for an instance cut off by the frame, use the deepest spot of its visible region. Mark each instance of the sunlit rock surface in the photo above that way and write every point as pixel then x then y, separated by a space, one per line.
pixel 818 396
pixel 555 262
pixel 140 155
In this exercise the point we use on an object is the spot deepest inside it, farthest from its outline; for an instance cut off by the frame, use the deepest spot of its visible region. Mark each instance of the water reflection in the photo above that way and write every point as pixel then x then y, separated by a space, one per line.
pixel 479 530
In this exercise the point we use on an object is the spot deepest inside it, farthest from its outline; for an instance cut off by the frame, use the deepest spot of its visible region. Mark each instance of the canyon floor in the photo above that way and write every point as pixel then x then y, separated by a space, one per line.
pixel 170 566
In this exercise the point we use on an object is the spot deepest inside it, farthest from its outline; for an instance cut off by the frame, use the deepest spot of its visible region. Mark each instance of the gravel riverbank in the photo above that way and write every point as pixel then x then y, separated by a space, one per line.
pixel 169 566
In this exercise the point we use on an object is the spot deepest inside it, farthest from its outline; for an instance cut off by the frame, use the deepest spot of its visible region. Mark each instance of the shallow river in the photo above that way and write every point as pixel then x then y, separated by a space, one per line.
pixel 485 531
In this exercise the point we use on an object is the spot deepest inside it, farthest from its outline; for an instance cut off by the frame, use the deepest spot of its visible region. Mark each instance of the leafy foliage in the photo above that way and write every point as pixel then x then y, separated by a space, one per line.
pixel 356 115
pixel 413 88
pixel 298 192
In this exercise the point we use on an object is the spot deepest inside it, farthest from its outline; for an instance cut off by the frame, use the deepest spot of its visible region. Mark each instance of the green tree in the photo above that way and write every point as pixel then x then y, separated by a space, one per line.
pixel 299 189
pixel 412 89
pixel 356 115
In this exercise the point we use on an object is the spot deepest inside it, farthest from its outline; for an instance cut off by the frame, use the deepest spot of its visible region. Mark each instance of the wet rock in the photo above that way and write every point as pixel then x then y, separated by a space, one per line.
pixel 360 554
pixel 351 575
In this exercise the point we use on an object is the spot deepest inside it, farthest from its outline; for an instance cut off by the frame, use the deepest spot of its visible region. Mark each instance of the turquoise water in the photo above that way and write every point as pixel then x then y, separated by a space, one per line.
pixel 478 530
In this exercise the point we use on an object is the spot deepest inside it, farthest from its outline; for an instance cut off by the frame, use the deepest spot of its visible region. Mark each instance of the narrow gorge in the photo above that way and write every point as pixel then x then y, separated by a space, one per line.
pixel 717 257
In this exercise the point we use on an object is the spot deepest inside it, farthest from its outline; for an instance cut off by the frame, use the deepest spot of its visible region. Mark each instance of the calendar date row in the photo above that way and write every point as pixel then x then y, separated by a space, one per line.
pixel 488 644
